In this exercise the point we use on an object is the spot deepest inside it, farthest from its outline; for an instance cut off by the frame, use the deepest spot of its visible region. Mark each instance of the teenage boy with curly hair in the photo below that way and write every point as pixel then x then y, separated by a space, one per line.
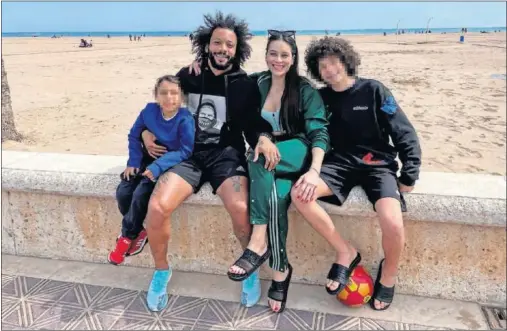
pixel 368 130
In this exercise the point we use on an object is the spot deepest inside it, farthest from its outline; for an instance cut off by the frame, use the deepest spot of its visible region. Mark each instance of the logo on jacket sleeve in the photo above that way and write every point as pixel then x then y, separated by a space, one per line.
pixel 389 106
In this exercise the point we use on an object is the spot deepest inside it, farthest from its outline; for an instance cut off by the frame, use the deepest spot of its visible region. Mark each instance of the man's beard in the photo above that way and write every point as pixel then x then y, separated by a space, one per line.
pixel 217 66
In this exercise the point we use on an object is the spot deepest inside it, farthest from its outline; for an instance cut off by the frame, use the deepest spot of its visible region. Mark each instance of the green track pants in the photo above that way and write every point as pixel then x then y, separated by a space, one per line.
pixel 270 195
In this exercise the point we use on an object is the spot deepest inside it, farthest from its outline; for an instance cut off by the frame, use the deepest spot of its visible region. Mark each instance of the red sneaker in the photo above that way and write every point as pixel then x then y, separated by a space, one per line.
pixel 138 243
pixel 117 256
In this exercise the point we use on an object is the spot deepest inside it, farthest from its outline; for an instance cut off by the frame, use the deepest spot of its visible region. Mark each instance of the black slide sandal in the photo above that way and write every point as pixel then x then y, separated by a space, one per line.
pixel 341 274
pixel 380 292
pixel 248 261
pixel 279 290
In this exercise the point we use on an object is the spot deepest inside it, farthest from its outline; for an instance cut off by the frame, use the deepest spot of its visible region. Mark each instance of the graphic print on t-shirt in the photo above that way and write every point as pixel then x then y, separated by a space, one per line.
pixel 209 118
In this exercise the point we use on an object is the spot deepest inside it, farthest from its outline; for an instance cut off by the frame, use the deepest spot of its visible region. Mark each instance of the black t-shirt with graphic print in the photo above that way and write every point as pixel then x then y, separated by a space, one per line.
pixel 219 104
pixel 364 119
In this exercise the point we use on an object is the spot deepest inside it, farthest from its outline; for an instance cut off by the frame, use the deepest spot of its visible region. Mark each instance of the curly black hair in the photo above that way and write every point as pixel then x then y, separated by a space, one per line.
pixel 202 36
pixel 341 48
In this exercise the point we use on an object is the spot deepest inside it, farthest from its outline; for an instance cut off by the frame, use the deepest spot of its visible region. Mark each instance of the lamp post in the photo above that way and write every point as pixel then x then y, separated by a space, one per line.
pixel 397 30
pixel 428 27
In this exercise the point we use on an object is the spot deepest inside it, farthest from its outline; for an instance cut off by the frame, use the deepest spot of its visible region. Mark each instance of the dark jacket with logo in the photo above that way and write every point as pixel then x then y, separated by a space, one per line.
pixel 364 120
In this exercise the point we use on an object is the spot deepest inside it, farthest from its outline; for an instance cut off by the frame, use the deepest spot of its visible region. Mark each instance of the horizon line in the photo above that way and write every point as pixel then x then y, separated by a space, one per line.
pixel 255 30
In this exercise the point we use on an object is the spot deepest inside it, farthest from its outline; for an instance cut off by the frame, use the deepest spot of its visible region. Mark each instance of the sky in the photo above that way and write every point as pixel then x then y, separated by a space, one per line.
pixel 186 16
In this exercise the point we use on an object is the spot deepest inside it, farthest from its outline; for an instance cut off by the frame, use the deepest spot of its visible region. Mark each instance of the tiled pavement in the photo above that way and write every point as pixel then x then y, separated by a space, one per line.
pixel 35 303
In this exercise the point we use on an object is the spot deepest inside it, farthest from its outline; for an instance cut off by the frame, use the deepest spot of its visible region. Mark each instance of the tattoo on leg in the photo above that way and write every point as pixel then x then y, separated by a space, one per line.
pixel 236 183
pixel 164 178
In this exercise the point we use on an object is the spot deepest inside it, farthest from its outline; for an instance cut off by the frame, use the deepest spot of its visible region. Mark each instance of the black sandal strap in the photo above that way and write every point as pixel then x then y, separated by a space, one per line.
pixel 340 273
pixel 249 261
pixel 380 292
pixel 383 293
pixel 278 290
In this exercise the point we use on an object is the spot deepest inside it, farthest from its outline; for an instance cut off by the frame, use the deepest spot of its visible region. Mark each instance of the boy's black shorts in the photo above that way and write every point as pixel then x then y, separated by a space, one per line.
pixel 213 166
pixel 378 181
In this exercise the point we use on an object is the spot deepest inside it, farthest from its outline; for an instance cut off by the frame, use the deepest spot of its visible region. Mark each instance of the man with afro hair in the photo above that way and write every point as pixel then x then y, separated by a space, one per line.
pixel 221 45
pixel 368 130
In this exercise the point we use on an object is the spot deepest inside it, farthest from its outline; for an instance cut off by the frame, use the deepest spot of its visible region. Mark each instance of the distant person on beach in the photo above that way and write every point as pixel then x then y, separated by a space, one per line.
pixel 219 155
pixel 130 37
pixel 173 128
pixel 364 119
pixel 84 43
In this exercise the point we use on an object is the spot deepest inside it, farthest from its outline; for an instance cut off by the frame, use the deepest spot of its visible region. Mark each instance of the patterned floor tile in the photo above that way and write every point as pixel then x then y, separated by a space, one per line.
pixel 219 313
pixel 8 303
pixel 113 300
pixel 93 320
pixel 127 322
pixel 44 304
pixel 48 291
pixel 183 310
pixel 207 326
pixel 165 325
pixel 82 295
pixel 21 287
pixel 8 326
pixel 339 322
pixel 6 279
pixel 371 324
pixel 257 317
pixel 422 327
pixel 138 306
pixel 292 319
pixel 25 313
pixel 57 318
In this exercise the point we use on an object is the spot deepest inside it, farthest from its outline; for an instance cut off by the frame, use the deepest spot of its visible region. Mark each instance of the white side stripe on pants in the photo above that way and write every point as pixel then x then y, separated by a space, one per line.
pixel 274 232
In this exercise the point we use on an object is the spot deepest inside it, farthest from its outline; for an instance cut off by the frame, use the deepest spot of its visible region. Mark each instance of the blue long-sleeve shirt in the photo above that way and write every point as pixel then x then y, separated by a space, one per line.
pixel 176 134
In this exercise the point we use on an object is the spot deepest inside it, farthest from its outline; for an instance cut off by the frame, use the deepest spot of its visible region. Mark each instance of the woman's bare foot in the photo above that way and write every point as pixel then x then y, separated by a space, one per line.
pixel 279 277
pixel 257 244
pixel 345 259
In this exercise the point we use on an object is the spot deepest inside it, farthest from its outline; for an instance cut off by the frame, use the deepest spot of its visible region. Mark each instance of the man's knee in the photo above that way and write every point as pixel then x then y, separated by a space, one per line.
pixel 159 210
pixel 238 210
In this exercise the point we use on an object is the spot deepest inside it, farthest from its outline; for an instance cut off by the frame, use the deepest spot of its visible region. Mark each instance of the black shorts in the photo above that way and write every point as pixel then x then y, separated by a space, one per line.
pixel 377 181
pixel 213 166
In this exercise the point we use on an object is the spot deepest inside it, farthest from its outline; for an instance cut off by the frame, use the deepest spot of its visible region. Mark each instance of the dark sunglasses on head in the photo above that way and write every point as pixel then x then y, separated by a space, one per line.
pixel 287 33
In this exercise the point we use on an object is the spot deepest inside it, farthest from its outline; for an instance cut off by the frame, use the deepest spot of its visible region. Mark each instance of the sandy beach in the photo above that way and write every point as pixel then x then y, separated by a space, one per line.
pixel 71 100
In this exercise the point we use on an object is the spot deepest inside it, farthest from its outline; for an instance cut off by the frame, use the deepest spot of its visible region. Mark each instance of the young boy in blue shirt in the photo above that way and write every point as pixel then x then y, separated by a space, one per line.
pixel 174 128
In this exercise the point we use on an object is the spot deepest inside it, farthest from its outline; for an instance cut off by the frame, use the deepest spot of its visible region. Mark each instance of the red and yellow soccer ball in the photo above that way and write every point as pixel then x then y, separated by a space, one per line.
pixel 359 289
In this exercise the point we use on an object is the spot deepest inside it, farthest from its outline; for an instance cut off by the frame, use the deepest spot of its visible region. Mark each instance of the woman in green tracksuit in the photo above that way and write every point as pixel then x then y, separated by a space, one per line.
pixel 290 138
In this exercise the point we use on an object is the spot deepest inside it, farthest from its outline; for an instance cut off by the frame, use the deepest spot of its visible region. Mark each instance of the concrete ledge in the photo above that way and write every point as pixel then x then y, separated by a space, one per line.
pixel 439 197
pixel 62 206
